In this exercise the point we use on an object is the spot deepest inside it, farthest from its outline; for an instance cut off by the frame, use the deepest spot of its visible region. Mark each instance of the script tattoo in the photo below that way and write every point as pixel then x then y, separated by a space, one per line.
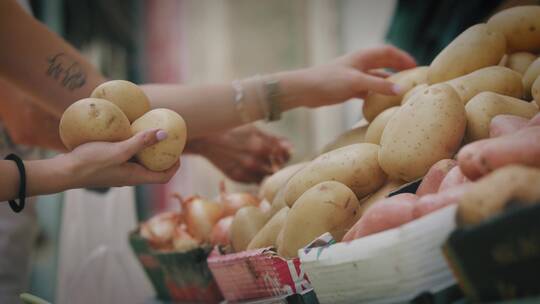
pixel 67 71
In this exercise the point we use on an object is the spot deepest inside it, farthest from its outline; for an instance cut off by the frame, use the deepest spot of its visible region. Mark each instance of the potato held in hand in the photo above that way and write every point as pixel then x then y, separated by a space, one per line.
pixel 326 207
pixel 93 119
pixel 424 130
pixel 125 95
pixel 165 154
pixel 356 166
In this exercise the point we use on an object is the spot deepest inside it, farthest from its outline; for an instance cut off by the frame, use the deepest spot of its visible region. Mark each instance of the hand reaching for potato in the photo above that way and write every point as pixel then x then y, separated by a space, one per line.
pixel 244 154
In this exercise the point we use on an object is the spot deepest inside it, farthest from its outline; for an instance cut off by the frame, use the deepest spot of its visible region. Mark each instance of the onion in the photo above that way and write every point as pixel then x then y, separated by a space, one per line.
pixel 220 233
pixel 234 201
pixel 182 240
pixel 200 216
pixel 159 229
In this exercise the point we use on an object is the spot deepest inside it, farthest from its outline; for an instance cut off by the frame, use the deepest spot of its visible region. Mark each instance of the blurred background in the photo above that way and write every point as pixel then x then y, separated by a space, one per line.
pixel 83 247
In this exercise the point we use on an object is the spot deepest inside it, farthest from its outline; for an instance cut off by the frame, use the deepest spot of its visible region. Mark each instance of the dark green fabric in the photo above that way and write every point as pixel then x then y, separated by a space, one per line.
pixel 423 28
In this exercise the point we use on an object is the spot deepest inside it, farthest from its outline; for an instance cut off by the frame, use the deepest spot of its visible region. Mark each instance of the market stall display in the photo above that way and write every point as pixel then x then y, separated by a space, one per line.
pixel 461 144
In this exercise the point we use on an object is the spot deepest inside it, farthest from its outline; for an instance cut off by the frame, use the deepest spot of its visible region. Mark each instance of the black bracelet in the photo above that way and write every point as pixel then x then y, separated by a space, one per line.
pixel 22 186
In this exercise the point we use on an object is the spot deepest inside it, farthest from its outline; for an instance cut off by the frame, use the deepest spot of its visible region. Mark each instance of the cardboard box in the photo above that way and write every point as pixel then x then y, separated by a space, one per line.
pixel 257 274
pixel 179 277
pixel 498 259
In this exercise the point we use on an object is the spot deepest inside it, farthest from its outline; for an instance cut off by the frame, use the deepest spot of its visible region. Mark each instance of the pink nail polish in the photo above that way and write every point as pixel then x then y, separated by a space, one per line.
pixel 396 89
pixel 161 135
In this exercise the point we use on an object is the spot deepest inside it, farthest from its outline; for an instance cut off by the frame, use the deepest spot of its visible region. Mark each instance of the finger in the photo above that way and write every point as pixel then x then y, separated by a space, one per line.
pixel 381 73
pixel 366 82
pixel 128 148
pixel 383 57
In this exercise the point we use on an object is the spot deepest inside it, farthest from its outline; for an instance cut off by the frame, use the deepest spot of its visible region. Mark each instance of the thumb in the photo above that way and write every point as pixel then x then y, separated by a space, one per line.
pixel 139 141
pixel 378 85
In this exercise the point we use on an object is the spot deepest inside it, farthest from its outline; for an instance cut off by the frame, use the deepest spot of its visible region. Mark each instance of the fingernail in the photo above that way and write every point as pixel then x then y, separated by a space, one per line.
pixel 396 89
pixel 161 135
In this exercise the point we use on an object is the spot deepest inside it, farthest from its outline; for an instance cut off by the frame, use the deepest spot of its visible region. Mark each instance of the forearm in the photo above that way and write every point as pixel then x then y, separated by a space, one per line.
pixel 209 109
pixel 42 177
pixel 42 63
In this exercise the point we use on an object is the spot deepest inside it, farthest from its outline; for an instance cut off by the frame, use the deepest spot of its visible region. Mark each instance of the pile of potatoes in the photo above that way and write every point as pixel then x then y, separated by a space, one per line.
pixel 490 69
pixel 115 111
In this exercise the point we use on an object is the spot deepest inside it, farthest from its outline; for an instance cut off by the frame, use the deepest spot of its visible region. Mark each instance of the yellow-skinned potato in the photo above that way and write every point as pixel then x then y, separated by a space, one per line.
pixel 326 207
pixel 375 103
pixel 416 89
pixel 355 135
pixel 278 203
pixel 93 119
pixel 164 154
pixel 521 27
pixel 126 95
pixel 486 105
pixel 266 237
pixel 535 90
pixel 355 166
pixel 475 48
pixel 426 129
pixel 495 79
pixel 276 181
pixel 246 223
pixel 490 195
pixel 533 71
pixel 376 127
pixel 520 61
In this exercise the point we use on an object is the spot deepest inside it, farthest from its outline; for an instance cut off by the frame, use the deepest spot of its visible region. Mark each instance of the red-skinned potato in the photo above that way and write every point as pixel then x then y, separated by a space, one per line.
pixel 481 157
pixel 506 124
pixel 433 178
pixel 453 179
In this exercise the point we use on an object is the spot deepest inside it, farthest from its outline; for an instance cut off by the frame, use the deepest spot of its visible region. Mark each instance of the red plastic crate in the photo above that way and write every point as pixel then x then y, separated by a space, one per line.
pixel 257 274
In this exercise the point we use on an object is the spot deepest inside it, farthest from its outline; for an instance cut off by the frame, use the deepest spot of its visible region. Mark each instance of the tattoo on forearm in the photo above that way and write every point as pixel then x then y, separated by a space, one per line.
pixel 67 71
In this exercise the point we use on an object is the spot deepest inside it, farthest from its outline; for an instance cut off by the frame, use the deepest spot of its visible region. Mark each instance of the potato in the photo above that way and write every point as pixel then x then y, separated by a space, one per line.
pixel 533 71
pixel 353 136
pixel 501 125
pixel 453 179
pixel 535 90
pixel 376 127
pixel 493 193
pixel 327 207
pixel 520 61
pixel 477 47
pixel 495 79
pixel 416 89
pixel 375 103
pixel 278 203
pixel 435 176
pixel 276 181
pixel 355 166
pixel 521 27
pixel 245 225
pixel 380 194
pixel 164 154
pixel 481 157
pixel 266 237
pixel 426 129
pixel 126 95
pixel 483 107
pixel 504 60
pixel 92 119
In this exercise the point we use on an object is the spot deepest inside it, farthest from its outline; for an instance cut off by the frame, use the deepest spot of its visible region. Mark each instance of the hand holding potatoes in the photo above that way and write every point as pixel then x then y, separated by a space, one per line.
pixel 97 119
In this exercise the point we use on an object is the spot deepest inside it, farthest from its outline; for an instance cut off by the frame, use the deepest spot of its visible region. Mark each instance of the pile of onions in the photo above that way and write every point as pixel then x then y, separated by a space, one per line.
pixel 234 201
pixel 200 216
pixel 182 240
pixel 159 230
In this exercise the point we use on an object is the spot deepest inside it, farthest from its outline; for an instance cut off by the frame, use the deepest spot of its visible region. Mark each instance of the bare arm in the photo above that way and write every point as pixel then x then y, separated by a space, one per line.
pixel 96 164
